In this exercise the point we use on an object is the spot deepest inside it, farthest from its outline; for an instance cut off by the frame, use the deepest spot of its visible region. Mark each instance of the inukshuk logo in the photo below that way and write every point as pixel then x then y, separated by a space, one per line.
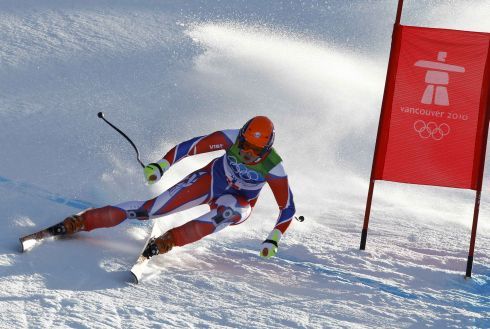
pixel 431 129
pixel 436 93
pixel 437 79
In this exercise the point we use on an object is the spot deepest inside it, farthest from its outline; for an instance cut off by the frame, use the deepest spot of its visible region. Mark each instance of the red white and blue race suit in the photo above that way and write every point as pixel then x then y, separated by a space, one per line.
pixel 228 186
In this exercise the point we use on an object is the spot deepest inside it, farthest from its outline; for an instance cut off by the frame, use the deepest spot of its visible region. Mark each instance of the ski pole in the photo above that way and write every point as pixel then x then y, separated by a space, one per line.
pixel 101 115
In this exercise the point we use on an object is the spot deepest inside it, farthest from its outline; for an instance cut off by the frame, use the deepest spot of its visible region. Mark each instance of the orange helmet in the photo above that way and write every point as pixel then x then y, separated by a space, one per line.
pixel 257 135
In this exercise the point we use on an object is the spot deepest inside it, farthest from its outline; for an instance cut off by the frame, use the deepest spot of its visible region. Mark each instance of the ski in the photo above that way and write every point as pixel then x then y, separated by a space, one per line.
pixel 57 231
pixel 29 241
pixel 140 264
pixel 138 267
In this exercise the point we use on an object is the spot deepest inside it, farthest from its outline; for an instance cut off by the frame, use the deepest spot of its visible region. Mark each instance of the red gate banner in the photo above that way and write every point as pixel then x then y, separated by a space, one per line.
pixel 433 113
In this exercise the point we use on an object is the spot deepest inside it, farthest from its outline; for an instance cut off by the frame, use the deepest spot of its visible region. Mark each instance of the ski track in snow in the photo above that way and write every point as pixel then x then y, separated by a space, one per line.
pixel 221 281
pixel 182 69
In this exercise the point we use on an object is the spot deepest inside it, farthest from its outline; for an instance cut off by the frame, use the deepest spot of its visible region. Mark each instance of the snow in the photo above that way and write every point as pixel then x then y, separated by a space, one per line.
pixel 168 71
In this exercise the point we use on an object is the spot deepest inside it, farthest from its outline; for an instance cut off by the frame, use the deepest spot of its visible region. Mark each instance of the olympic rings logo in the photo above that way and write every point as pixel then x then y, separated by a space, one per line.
pixel 242 171
pixel 431 130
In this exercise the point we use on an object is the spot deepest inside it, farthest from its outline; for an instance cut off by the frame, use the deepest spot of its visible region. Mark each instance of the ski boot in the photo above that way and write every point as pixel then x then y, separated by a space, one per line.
pixel 87 220
pixel 160 245
pixel 70 225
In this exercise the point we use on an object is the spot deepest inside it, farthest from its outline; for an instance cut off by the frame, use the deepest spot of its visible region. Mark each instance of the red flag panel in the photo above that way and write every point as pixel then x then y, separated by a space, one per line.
pixel 434 109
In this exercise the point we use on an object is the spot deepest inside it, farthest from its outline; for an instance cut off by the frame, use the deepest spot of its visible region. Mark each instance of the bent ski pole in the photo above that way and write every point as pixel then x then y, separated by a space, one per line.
pixel 101 115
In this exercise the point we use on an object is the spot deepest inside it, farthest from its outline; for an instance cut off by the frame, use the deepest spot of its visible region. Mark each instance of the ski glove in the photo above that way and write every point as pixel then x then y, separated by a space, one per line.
pixel 154 171
pixel 269 246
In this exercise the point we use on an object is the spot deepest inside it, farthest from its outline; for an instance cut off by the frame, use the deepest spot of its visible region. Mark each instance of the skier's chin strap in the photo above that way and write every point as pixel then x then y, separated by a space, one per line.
pixel 261 157
pixel 257 160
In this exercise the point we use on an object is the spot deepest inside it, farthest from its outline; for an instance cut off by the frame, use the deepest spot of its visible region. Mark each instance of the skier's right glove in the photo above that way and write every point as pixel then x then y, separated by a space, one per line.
pixel 154 171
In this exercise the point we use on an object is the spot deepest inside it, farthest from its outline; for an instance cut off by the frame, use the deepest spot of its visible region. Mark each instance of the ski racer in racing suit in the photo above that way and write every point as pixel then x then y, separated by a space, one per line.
pixel 229 184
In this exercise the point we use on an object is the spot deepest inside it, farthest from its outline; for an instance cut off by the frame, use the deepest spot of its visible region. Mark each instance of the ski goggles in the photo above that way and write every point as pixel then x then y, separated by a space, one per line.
pixel 251 149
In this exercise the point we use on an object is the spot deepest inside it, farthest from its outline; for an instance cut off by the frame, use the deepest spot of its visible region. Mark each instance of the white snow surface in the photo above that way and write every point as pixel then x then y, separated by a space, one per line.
pixel 166 71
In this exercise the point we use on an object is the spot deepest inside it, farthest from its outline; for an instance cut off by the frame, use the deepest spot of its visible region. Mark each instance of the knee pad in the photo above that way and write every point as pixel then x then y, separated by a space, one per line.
pixel 135 209
pixel 230 209
pixel 226 210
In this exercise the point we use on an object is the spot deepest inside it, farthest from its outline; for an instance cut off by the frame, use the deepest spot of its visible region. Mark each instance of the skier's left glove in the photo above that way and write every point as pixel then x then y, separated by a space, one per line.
pixel 270 245
pixel 154 171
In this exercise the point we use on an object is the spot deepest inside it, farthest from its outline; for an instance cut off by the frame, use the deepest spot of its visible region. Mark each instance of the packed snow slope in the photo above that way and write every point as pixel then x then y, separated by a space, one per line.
pixel 166 71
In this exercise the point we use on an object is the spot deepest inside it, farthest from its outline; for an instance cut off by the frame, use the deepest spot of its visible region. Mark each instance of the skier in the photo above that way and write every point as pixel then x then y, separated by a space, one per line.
pixel 229 184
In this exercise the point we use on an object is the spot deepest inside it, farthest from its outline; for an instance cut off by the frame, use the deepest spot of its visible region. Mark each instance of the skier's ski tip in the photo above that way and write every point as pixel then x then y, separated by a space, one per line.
pixel 134 278
pixel 26 244
pixel 138 267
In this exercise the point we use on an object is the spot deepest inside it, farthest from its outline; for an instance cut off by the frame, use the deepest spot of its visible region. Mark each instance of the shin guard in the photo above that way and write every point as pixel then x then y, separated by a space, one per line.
pixel 107 216
pixel 191 232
